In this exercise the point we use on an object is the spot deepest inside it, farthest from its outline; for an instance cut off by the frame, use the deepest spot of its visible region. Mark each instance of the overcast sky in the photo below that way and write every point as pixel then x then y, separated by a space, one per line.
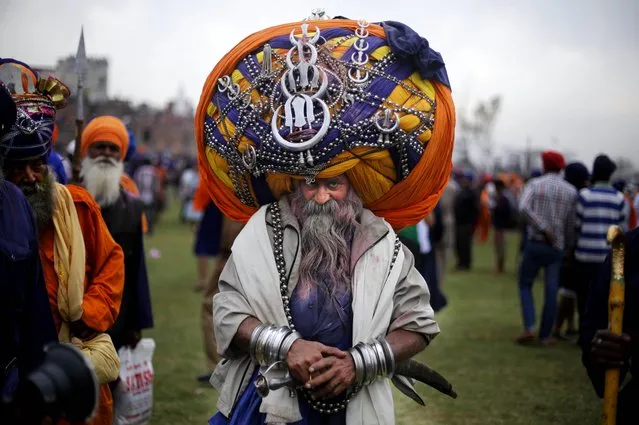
pixel 568 71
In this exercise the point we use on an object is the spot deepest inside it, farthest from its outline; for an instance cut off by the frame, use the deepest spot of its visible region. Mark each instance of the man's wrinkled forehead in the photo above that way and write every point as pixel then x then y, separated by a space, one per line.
pixel 16 165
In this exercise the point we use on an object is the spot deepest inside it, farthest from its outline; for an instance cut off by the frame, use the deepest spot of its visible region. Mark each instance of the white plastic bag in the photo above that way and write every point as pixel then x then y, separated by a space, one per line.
pixel 133 397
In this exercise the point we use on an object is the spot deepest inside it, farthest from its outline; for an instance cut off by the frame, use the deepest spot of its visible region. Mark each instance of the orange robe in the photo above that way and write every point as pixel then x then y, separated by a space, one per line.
pixel 103 284
pixel 483 221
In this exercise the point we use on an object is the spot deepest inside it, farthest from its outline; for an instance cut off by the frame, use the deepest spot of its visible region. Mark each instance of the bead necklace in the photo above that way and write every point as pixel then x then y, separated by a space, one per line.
pixel 278 250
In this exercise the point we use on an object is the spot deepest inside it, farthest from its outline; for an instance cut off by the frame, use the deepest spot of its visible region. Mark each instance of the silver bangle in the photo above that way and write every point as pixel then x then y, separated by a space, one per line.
pixel 381 359
pixel 370 364
pixel 274 343
pixel 372 361
pixel 360 347
pixel 358 361
pixel 270 344
pixel 254 337
pixel 261 345
pixel 389 355
pixel 287 344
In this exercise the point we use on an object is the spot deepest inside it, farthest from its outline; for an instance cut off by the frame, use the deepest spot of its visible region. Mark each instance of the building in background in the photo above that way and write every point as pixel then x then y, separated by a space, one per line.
pixel 167 129
pixel 96 83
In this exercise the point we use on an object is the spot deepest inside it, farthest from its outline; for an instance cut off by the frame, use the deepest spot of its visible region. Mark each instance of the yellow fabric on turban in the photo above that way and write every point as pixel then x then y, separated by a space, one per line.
pixel 105 129
pixel 401 182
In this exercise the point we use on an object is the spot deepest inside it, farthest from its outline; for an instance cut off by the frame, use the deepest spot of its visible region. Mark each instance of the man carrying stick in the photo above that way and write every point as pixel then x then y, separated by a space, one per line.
pixel 605 350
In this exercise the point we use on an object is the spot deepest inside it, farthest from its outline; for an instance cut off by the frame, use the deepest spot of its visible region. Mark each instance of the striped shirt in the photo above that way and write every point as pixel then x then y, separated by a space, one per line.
pixel 548 204
pixel 598 208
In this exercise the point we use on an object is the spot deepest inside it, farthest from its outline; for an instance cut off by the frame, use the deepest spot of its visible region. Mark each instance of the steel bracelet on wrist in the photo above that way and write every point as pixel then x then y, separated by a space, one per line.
pixel 372 361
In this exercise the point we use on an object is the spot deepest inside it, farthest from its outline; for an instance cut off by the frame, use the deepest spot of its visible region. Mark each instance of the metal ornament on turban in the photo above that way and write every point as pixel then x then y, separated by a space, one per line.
pixel 322 98
pixel 37 101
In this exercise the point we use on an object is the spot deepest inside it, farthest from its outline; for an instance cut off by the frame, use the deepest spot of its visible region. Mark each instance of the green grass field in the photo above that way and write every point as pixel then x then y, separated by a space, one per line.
pixel 498 382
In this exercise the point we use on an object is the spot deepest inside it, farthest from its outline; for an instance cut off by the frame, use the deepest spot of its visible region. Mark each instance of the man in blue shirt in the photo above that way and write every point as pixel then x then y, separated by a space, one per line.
pixel 598 207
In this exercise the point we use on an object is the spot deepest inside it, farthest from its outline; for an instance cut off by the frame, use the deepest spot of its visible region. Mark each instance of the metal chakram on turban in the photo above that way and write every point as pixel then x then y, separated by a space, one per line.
pixel 37 100
pixel 317 99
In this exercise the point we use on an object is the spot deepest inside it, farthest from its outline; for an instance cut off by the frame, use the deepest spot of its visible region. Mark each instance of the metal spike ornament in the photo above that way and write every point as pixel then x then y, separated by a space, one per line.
pixel 80 71
pixel 303 85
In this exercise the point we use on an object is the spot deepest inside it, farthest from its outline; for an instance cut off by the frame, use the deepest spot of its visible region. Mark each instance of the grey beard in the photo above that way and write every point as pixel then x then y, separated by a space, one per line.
pixel 101 178
pixel 41 197
pixel 326 234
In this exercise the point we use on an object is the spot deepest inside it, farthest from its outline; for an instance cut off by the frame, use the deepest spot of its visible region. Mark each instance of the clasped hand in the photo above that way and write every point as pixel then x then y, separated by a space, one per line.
pixel 326 371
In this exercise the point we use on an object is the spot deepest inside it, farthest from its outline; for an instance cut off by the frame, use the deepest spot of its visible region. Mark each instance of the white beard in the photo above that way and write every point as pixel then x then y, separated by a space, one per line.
pixel 101 178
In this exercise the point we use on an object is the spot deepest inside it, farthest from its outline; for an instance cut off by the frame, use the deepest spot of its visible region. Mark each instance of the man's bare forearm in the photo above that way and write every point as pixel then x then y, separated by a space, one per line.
pixel 405 344
pixel 242 338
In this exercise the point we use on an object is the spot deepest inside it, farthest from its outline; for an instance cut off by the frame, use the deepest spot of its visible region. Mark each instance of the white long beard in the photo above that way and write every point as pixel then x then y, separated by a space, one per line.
pixel 101 178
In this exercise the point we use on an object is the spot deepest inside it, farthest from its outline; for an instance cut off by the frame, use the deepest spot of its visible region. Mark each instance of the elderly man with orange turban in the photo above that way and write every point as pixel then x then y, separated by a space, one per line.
pixel 83 266
pixel 104 144
pixel 325 136
pixel 548 205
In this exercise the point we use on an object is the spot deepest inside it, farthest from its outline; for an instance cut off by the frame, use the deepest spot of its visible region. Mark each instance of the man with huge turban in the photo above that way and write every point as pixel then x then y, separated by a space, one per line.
pixel 325 136
pixel 83 266
pixel 27 324
pixel 548 207
pixel 105 142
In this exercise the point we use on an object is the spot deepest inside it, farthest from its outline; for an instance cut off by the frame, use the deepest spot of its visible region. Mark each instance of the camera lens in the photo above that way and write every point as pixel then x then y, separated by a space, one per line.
pixel 64 386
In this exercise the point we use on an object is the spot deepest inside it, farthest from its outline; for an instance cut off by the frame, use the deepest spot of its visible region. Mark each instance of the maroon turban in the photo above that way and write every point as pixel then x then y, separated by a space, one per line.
pixel 553 161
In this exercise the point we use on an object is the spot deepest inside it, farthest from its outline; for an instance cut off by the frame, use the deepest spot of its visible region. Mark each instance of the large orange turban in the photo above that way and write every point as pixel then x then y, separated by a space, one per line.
pixel 105 129
pixel 376 94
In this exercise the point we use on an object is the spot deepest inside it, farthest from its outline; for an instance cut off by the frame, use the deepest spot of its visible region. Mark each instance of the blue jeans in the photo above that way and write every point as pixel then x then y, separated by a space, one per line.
pixel 537 255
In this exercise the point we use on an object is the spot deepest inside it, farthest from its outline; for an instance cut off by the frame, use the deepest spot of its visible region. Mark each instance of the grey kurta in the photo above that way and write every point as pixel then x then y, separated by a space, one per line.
pixel 411 307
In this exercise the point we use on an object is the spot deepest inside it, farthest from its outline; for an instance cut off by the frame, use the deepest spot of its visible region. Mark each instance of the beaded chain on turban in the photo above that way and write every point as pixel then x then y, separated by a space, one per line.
pixel 37 100
pixel 323 98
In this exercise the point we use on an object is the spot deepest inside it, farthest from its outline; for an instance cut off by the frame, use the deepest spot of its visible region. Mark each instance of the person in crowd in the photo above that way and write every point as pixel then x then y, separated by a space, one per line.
pixel 104 143
pixel 316 263
pixel 230 230
pixel 466 214
pixel 429 232
pixel 208 240
pixel 578 176
pixel 189 181
pixel 548 206
pixel 27 323
pixel 83 266
pixel 598 207
pixel 148 185
pixel 523 226
pixel 622 186
pixel 602 349
pixel 445 246
pixel 502 216
pixel 207 236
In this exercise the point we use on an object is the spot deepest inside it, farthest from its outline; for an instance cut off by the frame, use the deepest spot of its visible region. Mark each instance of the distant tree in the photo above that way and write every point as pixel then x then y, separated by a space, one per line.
pixel 476 130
